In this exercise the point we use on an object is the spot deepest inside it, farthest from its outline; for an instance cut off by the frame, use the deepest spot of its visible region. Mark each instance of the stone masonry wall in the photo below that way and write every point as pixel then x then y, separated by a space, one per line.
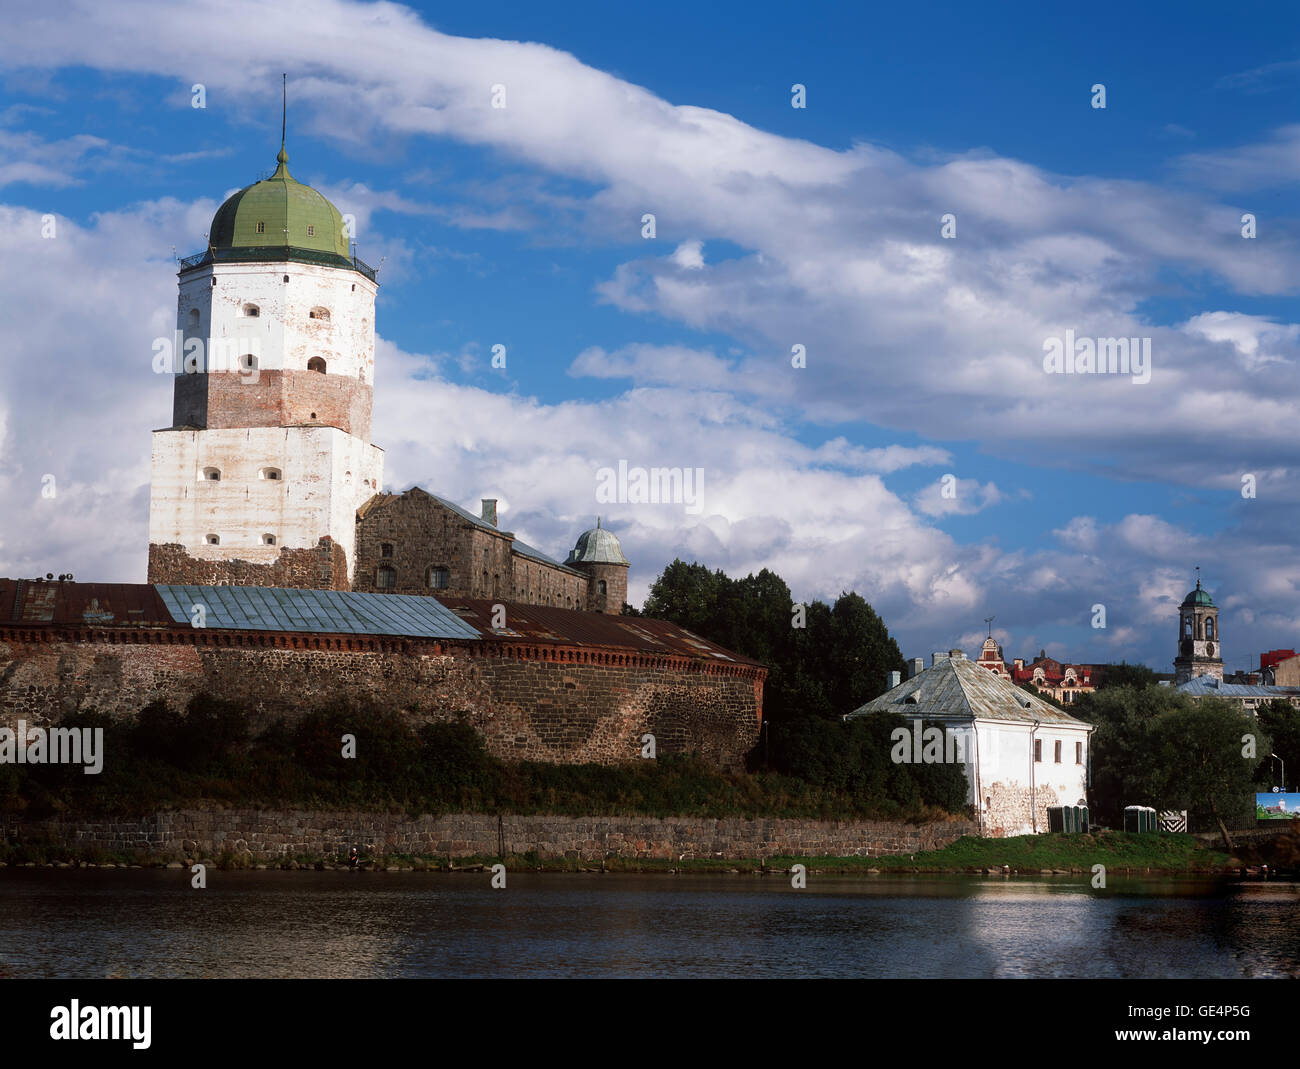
pixel 269 834
pixel 424 534
pixel 525 709
pixel 322 568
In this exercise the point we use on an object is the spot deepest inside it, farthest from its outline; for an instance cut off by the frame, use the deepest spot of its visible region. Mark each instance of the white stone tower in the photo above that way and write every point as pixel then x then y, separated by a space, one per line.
pixel 258 479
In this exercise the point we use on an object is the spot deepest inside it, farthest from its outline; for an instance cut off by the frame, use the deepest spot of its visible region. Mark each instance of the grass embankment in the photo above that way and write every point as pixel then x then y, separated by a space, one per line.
pixel 1119 852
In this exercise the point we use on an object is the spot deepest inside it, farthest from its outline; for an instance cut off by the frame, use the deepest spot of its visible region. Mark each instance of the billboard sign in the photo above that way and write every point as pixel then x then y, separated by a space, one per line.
pixel 1277 806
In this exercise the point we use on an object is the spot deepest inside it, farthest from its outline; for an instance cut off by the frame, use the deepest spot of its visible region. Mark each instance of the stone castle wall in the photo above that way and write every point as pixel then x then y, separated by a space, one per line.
pixel 269 834
pixel 322 568
pixel 562 705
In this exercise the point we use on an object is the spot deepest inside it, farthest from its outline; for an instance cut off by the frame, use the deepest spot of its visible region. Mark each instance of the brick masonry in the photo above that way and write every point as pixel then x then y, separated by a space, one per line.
pixel 557 704
pixel 270 834
pixel 273 398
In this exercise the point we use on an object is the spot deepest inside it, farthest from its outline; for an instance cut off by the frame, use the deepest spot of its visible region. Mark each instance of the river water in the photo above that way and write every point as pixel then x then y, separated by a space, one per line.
pixel 92 923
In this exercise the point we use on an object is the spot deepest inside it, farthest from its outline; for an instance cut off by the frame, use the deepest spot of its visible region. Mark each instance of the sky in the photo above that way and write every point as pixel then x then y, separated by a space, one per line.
pixel 948 200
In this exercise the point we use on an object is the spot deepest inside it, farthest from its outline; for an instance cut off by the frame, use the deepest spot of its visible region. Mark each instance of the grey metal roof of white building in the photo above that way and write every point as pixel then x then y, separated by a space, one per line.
pixel 257 608
pixel 1203 686
pixel 959 688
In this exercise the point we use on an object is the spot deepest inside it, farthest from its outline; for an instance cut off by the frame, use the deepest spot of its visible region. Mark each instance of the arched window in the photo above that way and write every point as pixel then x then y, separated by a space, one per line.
pixel 274 474
pixel 252 311
pixel 438 578
pixel 248 362
pixel 268 539
pixel 385 578
pixel 213 540
pixel 1187 629
pixel 600 586
pixel 386 549
pixel 319 313
pixel 316 363
pixel 212 475
pixel 194 319
pixel 1209 627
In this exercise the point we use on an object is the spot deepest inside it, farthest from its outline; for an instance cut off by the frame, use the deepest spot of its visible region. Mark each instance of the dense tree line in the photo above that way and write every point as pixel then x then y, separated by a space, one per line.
pixel 839 659
pixel 211 752
pixel 1154 746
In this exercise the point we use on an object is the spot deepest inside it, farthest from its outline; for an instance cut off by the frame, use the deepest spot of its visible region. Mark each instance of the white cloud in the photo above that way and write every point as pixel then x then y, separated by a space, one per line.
pixel 956 497
pixel 689 255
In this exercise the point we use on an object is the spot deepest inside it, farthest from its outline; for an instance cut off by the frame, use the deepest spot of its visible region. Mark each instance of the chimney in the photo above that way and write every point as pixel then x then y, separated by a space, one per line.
pixel 895 678
pixel 915 667
pixel 957 655
pixel 490 510
pixel 935 658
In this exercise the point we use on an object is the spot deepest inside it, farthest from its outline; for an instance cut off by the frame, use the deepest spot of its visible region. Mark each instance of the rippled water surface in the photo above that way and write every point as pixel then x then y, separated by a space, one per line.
pixel 96 923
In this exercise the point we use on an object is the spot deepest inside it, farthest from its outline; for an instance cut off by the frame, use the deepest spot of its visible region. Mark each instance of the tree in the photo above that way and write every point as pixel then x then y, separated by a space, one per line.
pixel 1204 751
pixel 1281 721
pixel 1126 675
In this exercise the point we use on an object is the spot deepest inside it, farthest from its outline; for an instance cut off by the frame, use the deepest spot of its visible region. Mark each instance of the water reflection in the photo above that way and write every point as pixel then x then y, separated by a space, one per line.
pixel 95 923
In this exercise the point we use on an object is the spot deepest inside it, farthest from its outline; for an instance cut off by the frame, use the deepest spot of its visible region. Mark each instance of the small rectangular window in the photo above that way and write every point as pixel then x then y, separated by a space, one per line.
pixel 386 550
pixel 1038 749
pixel 1078 753
pixel 1058 751
pixel 311 230
pixel 261 228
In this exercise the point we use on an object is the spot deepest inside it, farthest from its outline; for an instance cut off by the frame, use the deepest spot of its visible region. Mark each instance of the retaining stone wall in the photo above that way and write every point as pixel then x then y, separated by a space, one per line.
pixel 267 834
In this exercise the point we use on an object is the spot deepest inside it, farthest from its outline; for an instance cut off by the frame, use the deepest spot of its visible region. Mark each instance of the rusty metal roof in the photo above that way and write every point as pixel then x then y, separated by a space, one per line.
pixel 267 608
pixel 29 601
pixel 545 623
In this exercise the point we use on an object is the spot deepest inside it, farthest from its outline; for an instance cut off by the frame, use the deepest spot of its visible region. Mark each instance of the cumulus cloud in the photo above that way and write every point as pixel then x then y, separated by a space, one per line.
pixel 950 496
pixel 839 251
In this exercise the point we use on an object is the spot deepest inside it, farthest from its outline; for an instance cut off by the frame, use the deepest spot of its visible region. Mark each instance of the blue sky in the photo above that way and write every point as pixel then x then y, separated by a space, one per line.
pixel 775 226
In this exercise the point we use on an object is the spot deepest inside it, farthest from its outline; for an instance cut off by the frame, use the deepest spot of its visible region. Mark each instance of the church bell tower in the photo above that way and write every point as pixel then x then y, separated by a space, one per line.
pixel 1199 650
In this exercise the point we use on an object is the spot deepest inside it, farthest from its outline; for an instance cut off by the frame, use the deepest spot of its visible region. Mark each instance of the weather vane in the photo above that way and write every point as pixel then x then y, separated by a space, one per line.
pixel 989 620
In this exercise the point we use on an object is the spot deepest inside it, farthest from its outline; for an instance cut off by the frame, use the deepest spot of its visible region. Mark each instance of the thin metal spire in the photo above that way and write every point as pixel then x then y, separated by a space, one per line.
pixel 284 105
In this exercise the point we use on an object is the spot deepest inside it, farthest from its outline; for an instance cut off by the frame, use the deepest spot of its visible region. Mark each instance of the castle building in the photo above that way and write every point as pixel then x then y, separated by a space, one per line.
pixel 419 543
pixel 267 475
pixel 259 477
pixel 1199 647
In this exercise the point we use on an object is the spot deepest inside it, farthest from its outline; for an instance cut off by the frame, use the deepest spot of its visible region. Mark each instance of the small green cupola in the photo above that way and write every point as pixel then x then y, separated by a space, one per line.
pixel 279 212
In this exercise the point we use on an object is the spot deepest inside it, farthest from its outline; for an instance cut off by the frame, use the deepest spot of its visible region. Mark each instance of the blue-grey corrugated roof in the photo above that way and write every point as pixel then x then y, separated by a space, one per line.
pixel 1203 685
pixel 259 608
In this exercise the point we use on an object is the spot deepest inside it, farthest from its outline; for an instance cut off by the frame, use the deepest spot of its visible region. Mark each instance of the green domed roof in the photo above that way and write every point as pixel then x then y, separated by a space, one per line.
pixel 1198 597
pixel 279 212
pixel 597 546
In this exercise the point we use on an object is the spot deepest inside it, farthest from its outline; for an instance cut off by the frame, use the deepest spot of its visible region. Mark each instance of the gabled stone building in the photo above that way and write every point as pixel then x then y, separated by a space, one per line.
pixel 419 543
